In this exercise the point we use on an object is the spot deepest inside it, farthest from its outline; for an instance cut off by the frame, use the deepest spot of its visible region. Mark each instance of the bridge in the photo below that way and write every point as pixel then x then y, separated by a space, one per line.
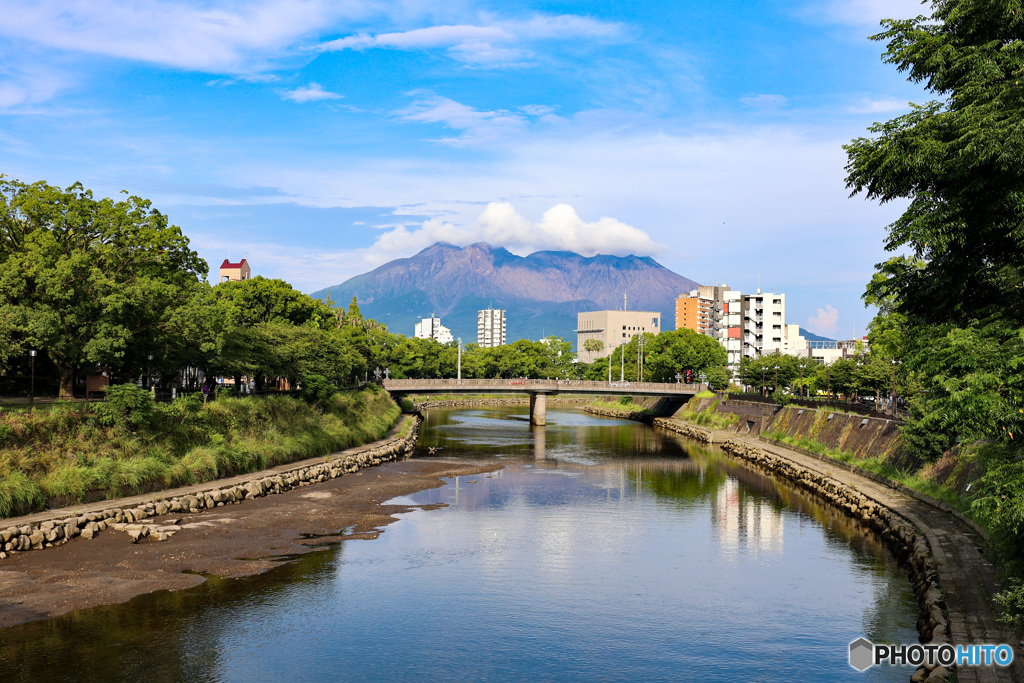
pixel 538 389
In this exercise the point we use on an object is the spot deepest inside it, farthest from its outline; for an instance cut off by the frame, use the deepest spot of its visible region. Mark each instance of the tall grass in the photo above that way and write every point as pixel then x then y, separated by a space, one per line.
pixel 72 451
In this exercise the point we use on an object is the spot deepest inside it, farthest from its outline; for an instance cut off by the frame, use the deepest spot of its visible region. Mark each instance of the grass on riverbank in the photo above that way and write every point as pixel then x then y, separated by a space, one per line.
pixel 709 417
pixel 878 466
pixel 624 408
pixel 72 451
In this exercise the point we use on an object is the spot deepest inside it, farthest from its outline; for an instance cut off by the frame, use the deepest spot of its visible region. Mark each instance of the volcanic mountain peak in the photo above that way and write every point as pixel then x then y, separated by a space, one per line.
pixel 541 292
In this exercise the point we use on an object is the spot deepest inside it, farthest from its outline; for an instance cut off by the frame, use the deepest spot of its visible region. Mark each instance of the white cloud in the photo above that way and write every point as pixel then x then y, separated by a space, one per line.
pixel 882 106
pixel 560 228
pixel 474 125
pixel 29 85
pixel 765 102
pixel 825 323
pixel 229 37
pixel 868 12
pixel 483 45
pixel 313 92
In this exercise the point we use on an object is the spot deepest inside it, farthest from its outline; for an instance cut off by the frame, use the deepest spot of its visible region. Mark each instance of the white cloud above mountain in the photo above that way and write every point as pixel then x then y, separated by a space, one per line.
pixel 560 228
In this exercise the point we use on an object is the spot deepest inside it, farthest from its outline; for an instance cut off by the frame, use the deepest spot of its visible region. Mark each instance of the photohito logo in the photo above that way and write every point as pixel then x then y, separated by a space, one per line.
pixel 865 654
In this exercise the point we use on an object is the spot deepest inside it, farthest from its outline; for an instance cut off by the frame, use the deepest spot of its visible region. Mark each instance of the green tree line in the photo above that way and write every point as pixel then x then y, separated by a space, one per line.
pixel 949 301
pixel 97 283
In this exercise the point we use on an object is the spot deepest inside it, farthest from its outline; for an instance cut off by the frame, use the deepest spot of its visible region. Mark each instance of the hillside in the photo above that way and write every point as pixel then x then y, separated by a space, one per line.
pixel 542 292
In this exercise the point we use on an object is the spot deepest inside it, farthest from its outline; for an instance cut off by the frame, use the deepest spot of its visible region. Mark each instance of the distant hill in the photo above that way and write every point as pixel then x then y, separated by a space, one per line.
pixel 810 336
pixel 541 293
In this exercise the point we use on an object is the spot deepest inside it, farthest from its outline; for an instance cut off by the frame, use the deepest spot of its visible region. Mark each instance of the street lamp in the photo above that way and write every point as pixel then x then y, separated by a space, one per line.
pixel 776 389
pixel 32 386
pixel 460 361
pixel 763 388
pixel 149 373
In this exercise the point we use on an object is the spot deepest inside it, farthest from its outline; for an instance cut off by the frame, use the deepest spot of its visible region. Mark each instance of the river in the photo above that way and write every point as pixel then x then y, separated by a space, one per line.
pixel 602 550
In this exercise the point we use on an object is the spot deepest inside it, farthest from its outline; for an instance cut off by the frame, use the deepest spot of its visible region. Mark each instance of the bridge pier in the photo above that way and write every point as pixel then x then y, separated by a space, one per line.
pixel 538 408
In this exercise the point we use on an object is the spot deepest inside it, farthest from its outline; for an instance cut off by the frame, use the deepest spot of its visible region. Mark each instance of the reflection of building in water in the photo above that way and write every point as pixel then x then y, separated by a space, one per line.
pixel 745 521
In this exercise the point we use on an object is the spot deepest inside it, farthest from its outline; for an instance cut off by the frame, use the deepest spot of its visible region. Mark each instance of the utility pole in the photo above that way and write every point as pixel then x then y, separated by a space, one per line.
pixel 32 388
pixel 622 369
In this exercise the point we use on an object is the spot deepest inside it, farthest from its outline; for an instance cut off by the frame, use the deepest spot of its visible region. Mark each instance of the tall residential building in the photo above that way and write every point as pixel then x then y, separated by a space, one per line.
pixel 431 328
pixel 490 327
pixel 235 272
pixel 763 322
pixel 612 329
pixel 714 310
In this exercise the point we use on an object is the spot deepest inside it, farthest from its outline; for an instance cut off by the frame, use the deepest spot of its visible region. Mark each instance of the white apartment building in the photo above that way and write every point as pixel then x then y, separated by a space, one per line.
pixel 431 328
pixel 763 330
pixel 490 327
pixel 612 329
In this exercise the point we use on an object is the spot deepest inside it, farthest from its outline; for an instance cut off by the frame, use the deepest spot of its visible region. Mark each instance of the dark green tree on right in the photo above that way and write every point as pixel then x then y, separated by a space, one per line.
pixel 956 287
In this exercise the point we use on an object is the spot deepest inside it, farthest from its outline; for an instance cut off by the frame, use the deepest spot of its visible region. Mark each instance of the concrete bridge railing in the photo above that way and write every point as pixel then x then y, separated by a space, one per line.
pixel 538 389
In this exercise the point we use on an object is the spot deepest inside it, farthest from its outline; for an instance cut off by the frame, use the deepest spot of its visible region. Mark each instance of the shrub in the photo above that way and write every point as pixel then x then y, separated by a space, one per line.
pixel 317 389
pixel 127 405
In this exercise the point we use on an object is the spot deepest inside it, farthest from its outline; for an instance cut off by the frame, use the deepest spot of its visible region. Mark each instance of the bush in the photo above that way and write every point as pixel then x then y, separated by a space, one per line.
pixel 626 400
pixel 127 405
pixel 317 389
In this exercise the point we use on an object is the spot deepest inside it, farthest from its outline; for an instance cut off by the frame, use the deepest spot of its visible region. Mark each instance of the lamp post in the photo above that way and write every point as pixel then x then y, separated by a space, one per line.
pixel 460 361
pixel 32 386
pixel 776 389
pixel 763 388
pixel 149 373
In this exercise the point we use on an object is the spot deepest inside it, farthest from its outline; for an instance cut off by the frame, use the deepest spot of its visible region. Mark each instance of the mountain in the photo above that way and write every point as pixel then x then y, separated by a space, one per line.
pixel 810 336
pixel 541 293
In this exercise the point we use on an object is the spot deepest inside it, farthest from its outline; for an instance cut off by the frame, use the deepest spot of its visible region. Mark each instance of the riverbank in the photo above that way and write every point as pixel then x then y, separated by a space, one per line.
pixel 221 538
pixel 129 445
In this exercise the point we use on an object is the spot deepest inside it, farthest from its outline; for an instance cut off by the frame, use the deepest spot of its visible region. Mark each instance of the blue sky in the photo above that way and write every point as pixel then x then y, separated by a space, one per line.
pixel 321 138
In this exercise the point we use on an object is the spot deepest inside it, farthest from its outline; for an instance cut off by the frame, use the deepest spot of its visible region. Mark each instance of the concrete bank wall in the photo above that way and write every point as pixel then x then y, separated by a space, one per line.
pixel 47 530
pixel 865 437
pixel 906 542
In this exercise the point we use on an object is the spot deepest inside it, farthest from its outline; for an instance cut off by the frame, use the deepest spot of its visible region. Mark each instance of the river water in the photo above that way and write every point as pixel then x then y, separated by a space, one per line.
pixel 602 550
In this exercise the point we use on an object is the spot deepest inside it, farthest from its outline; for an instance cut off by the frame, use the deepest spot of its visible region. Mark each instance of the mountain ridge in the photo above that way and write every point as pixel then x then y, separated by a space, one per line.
pixel 541 292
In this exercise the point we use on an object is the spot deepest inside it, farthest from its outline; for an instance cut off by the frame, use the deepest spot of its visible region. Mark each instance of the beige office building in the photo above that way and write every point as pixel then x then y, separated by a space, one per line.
pixel 612 329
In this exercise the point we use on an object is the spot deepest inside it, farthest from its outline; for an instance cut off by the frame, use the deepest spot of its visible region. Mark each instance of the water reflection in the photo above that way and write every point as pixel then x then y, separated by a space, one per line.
pixel 602 550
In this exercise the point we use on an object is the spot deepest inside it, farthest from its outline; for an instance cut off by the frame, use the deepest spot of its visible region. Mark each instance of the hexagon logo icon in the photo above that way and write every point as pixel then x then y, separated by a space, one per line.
pixel 861 654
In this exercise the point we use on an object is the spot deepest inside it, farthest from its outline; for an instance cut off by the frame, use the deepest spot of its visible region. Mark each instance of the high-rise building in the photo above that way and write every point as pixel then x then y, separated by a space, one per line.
pixel 611 329
pixel 431 328
pixel 763 323
pixel 490 327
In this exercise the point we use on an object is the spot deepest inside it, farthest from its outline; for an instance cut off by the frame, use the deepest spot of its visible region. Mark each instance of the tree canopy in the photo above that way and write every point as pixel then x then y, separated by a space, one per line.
pixel 87 280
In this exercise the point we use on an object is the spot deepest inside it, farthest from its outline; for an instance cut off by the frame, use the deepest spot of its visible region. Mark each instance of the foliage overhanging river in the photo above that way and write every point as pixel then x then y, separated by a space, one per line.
pixel 602 550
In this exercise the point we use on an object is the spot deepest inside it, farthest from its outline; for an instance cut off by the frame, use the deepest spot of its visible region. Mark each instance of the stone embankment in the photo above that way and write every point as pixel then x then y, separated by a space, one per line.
pixel 692 431
pixel 623 414
pixel 695 432
pixel 906 542
pixel 132 517
pixel 510 401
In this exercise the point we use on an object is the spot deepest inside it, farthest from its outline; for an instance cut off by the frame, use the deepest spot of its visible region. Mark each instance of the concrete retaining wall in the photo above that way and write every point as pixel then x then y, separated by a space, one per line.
pixel 60 530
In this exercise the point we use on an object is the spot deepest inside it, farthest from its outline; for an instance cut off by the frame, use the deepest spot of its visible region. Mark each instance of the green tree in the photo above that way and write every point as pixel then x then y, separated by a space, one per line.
pixel 956 159
pixel 670 353
pixel 90 280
